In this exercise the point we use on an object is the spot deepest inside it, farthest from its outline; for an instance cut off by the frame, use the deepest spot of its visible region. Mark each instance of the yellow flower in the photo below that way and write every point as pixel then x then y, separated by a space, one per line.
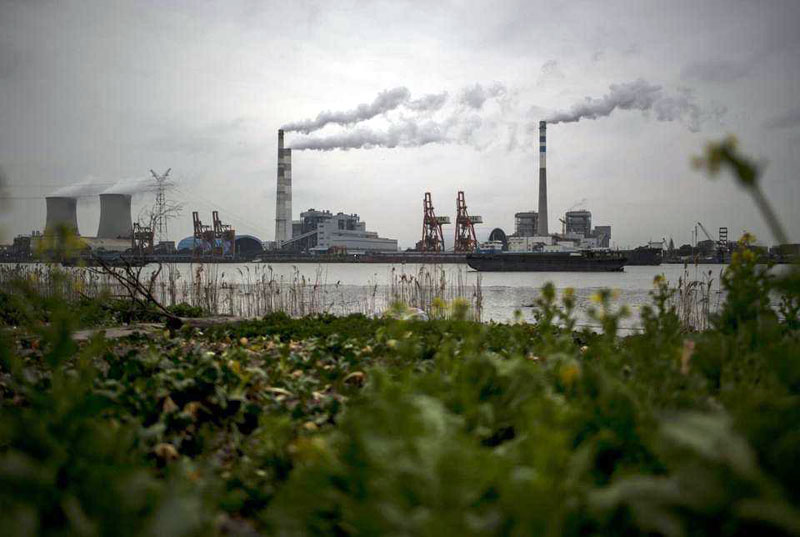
pixel 570 373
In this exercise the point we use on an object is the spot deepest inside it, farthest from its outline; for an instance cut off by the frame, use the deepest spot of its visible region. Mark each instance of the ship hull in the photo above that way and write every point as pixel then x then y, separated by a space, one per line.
pixel 643 256
pixel 546 262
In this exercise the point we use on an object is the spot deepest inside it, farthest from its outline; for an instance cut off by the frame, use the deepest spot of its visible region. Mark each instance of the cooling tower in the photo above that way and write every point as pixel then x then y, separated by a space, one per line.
pixel 61 211
pixel 542 224
pixel 115 216
pixel 283 198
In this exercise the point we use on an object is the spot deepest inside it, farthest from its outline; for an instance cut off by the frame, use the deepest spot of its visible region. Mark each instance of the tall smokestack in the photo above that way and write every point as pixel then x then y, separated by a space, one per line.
pixel 283 198
pixel 115 216
pixel 61 211
pixel 542 227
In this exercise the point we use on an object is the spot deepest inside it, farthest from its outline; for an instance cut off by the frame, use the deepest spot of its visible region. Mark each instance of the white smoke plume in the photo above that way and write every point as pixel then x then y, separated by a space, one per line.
pixel 460 125
pixel 468 120
pixel 407 134
pixel 131 186
pixel 91 186
pixel 428 103
pixel 475 96
pixel 637 95
pixel 386 101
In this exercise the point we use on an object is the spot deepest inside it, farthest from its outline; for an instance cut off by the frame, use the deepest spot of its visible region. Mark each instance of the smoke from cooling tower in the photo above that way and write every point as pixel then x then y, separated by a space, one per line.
pixel 92 187
pixel 131 186
pixel 87 187
pixel 386 101
pixel 637 95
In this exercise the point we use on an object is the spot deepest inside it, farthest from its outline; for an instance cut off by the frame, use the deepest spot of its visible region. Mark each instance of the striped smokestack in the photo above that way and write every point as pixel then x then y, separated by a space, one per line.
pixel 283 198
pixel 542 227
pixel 115 216
pixel 61 211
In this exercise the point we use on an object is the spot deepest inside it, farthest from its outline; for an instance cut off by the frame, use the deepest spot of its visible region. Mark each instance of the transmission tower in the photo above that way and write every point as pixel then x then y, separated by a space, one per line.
pixel 162 185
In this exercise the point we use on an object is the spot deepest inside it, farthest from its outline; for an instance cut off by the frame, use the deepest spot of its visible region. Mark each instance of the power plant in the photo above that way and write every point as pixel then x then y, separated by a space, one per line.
pixel 115 217
pixel 531 230
pixel 322 235
pixel 62 212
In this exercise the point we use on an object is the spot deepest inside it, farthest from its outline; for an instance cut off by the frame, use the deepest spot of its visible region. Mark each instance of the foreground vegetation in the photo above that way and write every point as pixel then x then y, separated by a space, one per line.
pixel 351 425
pixel 254 290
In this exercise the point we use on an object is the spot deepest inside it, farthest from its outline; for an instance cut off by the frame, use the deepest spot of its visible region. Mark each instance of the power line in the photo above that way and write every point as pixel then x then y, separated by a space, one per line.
pixel 41 185
pixel 230 215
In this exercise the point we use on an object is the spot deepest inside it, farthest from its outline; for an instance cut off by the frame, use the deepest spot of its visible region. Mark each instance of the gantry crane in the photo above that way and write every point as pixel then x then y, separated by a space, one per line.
pixel 203 235
pixel 432 236
pixel 223 234
pixel 465 240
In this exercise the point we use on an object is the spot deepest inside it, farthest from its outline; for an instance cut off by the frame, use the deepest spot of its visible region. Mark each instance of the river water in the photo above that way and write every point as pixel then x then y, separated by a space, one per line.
pixel 368 287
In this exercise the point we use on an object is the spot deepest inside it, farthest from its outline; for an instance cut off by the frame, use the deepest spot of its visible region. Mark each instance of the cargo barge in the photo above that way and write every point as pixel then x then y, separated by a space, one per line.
pixel 643 255
pixel 580 261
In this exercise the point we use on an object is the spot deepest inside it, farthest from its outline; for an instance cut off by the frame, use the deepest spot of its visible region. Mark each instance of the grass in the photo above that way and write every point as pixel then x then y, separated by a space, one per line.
pixel 253 291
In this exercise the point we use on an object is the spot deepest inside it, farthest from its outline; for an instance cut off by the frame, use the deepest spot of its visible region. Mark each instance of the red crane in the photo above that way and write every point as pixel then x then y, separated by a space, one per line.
pixel 224 234
pixel 432 236
pixel 203 235
pixel 465 240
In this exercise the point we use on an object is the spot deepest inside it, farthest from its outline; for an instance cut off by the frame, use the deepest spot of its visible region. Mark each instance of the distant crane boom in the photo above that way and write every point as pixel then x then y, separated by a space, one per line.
pixel 705 232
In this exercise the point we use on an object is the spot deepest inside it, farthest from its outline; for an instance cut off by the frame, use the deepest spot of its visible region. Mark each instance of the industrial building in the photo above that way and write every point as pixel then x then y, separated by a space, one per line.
pixel 603 236
pixel 526 224
pixel 323 231
pixel 578 223
pixel 246 246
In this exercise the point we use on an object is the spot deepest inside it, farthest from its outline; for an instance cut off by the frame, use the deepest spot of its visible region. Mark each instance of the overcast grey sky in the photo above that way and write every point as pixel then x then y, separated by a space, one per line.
pixel 109 89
